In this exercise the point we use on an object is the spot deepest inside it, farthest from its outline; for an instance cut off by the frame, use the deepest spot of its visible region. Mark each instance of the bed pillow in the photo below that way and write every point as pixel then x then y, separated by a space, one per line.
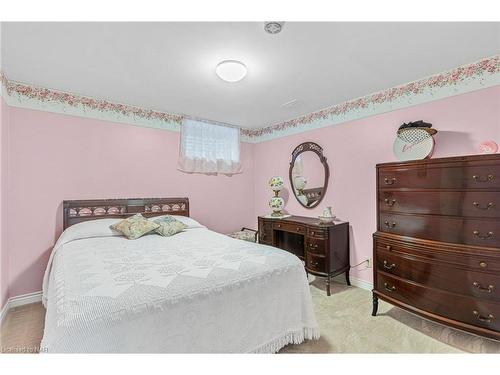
pixel 169 225
pixel 189 222
pixel 135 226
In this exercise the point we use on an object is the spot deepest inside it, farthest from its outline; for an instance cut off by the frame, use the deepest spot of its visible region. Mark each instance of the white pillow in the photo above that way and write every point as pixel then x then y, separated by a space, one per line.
pixel 191 223
pixel 88 229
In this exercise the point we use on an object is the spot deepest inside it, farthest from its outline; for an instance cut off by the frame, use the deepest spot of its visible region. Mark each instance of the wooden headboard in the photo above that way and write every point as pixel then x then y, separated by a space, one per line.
pixel 76 211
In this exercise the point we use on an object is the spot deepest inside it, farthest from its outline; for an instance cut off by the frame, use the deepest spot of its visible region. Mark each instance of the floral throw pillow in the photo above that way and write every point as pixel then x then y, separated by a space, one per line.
pixel 244 235
pixel 135 226
pixel 169 225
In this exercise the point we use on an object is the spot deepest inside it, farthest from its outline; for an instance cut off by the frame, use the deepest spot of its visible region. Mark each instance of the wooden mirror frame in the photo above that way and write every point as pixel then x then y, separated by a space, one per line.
pixel 318 150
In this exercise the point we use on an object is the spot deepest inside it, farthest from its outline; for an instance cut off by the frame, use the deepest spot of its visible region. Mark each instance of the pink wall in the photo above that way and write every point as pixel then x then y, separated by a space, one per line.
pixel 55 157
pixel 4 277
pixel 353 149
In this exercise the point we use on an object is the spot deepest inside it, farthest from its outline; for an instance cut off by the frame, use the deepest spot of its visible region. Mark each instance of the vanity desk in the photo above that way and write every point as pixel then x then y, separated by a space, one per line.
pixel 323 247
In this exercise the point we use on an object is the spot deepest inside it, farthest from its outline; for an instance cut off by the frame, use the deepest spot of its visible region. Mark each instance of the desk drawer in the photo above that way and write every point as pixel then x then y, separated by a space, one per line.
pixel 290 227
pixel 316 245
pixel 315 262
pixel 475 311
pixel 317 233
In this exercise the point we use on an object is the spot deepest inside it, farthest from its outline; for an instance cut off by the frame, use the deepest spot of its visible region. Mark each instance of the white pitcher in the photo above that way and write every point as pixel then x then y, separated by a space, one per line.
pixel 327 212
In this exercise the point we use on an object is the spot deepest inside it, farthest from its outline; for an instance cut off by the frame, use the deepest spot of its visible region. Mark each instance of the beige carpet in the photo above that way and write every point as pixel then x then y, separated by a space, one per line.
pixel 345 321
pixel 347 326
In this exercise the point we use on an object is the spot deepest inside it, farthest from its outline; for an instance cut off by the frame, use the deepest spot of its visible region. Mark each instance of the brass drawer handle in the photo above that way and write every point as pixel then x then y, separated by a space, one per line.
pixel 390 225
pixel 389 181
pixel 278 225
pixel 486 236
pixel 389 202
pixel 388 247
pixel 483 264
pixel 315 264
pixel 298 229
pixel 389 288
pixel 488 206
pixel 388 266
pixel 489 178
pixel 312 233
pixel 486 319
pixel 489 289
pixel 313 246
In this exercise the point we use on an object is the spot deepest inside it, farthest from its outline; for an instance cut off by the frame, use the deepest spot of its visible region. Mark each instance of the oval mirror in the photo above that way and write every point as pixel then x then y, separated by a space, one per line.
pixel 309 174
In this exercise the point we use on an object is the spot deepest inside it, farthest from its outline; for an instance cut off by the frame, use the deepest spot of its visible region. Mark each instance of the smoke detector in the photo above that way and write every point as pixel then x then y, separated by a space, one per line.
pixel 273 27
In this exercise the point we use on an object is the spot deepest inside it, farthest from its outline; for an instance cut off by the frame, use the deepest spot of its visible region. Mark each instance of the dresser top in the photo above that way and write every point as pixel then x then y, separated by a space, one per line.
pixel 306 220
pixel 482 157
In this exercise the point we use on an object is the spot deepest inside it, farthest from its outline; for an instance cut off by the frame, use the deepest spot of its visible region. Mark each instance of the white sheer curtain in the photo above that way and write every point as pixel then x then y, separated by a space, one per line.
pixel 209 148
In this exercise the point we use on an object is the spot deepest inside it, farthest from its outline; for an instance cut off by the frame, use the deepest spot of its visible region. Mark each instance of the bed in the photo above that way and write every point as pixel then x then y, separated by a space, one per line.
pixel 195 292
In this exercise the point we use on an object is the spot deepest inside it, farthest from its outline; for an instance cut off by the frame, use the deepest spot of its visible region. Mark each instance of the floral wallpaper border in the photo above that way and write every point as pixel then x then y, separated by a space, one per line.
pixel 481 74
pixel 478 75
pixel 24 95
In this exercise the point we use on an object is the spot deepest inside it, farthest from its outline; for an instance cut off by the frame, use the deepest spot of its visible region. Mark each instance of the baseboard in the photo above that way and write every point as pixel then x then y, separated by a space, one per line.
pixel 3 312
pixel 23 299
pixel 362 284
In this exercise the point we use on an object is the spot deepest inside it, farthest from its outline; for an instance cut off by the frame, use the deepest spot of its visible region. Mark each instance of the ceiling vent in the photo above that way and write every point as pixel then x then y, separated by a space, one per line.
pixel 273 27
pixel 290 103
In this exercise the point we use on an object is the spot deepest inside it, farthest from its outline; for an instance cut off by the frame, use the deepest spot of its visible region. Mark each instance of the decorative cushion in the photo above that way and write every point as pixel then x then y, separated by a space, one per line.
pixel 169 225
pixel 135 226
pixel 244 235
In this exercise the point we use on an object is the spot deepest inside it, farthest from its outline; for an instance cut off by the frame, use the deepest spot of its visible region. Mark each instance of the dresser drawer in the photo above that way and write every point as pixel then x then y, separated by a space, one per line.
pixel 468 231
pixel 315 262
pixel 470 310
pixel 440 275
pixel 484 204
pixel 290 227
pixel 316 245
pixel 448 255
pixel 464 175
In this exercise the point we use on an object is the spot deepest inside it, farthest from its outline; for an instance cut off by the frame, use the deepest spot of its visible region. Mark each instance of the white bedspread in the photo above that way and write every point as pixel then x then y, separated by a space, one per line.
pixel 195 292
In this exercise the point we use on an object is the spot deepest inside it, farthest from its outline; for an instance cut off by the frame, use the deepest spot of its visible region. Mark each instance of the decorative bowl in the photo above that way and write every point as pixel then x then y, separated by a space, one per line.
pixel 326 219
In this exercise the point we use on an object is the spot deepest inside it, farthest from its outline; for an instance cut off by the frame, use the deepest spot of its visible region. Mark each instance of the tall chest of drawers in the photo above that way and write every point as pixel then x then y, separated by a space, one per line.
pixel 436 251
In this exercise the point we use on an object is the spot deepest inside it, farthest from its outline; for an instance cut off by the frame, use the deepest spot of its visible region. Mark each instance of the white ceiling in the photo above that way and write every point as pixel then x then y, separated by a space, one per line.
pixel 171 66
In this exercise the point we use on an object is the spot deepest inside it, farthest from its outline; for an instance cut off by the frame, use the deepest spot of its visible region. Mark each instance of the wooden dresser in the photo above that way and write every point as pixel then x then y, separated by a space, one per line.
pixel 437 247
pixel 323 247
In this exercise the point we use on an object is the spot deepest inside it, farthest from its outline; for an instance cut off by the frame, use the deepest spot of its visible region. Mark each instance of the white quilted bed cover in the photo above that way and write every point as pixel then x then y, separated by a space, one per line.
pixel 195 292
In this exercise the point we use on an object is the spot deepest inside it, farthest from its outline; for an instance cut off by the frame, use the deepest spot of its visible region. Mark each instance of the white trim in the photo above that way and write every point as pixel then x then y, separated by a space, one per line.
pixel 355 281
pixel 363 284
pixel 3 312
pixel 23 299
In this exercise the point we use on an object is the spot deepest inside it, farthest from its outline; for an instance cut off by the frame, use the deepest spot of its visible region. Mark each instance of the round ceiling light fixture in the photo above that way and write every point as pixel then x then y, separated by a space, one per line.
pixel 231 70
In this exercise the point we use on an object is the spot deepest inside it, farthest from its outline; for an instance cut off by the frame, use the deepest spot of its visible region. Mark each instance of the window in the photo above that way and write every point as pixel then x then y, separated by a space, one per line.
pixel 209 148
